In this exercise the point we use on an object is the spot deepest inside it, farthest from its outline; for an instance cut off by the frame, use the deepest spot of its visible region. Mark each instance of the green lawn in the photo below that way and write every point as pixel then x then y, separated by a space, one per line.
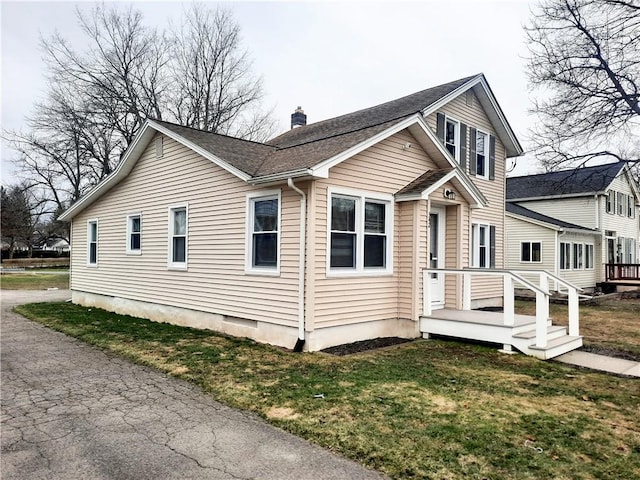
pixel 35 280
pixel 422 410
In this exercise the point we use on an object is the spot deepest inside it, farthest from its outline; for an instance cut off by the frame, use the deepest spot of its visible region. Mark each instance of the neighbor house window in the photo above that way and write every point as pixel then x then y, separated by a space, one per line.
pixel 565 256
pixel 611 201
pixel 578 260
pixel 588 256
pixel 630 246
pixel 92 242
pixel 263 227
pixel 630 207
pixel 483 246
pixel 452 137
pixel 482 154
pixel 178 236
pixel 620 203
pixel 531 252
pixel 134 234
pixel 360 229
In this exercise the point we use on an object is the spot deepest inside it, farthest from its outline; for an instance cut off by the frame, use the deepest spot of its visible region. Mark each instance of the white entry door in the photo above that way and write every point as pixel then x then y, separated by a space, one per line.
pixel 436 254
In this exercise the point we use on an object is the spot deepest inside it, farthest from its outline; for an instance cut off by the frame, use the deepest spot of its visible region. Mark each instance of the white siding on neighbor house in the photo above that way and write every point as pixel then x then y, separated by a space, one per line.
pixel 215 280
pixel 577 210
pixel 584 277
pixel 621 224
pixel 467 109
pixel 384 168
pixel 518 231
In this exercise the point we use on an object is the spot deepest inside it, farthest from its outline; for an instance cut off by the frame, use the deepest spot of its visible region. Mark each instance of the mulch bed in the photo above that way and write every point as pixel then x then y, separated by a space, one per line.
pixel 610 352
pixel 365 345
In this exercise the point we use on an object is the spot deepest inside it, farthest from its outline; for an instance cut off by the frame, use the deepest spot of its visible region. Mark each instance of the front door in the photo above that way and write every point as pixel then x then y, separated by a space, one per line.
pixel 436 254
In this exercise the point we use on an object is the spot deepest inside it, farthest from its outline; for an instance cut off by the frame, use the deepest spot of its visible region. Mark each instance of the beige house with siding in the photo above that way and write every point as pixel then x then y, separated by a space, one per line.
pixel 318 237
pixel 574 222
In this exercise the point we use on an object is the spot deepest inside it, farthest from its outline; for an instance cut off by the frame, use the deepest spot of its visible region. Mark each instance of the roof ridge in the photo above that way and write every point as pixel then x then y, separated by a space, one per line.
pixel 608 165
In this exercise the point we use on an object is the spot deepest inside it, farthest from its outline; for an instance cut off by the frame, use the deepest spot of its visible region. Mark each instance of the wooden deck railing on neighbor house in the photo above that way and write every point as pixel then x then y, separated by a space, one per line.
pixel 510 279
pixel 622 271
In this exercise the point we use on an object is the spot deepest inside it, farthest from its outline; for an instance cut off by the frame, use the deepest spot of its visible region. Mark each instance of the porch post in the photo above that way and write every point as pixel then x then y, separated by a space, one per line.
pixel 426 296
pixel 466 291
pixel 574 326
pixel 509 300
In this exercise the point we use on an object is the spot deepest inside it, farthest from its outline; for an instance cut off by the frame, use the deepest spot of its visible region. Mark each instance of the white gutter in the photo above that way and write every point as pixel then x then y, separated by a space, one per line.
pixel 303 230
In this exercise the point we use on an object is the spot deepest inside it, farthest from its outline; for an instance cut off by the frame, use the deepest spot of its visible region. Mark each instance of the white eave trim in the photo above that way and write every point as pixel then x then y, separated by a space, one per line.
pixel 321 170
pixel 468 187
pixel 554 197
pixel 480 80
pixel 206 154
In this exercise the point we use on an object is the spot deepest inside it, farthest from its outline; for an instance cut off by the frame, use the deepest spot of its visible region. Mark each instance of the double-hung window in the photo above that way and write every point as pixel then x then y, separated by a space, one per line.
pixel 531 252
pixel 578 259
pixel 565 256
pixel 630 207
pixel 178 236
pixel 482 154
pixel 134 234
pixel 360 234
pixel 482 243
pixel 588 255
pixel 620 203
pixel 92 243
pixel 452 137
pixel 611 201
pixel 263 227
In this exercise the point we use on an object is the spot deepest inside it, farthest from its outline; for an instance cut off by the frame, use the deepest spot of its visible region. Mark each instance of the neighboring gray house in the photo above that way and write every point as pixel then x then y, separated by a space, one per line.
pixel 573 222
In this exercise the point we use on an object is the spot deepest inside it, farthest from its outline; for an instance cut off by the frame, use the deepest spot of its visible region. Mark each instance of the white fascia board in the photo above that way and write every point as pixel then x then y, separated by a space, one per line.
pixel 468 189
pixel 495 107
pixel 206 154
pixel 555 197
pixel 632 183
pixel 321 170
pixel 139 143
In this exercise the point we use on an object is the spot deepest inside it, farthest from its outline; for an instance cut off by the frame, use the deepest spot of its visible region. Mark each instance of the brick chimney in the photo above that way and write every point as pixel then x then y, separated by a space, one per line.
pixel 298 118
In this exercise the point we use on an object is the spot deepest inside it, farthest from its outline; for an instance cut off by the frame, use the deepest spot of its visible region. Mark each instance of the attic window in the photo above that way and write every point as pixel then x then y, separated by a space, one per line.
pixel 159 147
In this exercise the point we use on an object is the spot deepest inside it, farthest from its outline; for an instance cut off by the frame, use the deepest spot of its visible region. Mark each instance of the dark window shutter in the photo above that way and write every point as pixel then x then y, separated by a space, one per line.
pixel 472 151
pixel 492 157
pixel 463 146
pixel 440 126
pixel 492 246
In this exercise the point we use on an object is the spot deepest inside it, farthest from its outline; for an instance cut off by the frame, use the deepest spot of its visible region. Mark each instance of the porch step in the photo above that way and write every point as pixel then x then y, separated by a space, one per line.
pixel 553 331
pixel 555 347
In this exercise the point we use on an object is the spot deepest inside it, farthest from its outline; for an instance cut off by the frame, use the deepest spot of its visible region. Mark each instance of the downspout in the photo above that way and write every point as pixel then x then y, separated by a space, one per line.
pixel 303 231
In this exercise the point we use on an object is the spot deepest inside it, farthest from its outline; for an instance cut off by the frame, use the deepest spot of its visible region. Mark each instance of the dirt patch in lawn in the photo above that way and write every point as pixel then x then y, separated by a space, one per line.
pixel 365 345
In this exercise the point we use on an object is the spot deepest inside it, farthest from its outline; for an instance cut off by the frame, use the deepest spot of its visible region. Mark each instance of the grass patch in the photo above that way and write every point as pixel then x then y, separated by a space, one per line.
pixel 35 280
pixel 426 409
pixel 613 325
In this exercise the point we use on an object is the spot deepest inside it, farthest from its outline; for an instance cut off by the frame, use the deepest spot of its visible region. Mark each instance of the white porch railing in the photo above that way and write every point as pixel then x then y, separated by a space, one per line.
pixel 510 279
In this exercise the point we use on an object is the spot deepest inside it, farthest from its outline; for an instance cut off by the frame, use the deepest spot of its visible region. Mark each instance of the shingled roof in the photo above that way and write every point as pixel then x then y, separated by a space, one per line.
pixel 307 146
pixel 585 180
pixel 525 212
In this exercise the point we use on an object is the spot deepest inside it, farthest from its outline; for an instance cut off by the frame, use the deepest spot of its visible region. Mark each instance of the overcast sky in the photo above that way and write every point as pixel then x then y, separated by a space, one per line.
pixel 330 58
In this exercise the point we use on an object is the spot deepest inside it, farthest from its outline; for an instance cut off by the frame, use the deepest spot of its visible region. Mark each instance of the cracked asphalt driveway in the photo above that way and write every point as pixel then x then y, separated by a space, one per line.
pixel 73 411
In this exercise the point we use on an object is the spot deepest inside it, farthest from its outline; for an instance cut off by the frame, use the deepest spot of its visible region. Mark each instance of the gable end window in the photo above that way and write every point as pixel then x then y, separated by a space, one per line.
pixel 531 252
pixel 134 234
pixel 178 236
pixel 360 234
pixel 263 233
pixel 92 243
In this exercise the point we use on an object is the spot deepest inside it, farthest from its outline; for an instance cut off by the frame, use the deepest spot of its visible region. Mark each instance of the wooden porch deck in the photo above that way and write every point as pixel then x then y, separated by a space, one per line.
pixel 490 327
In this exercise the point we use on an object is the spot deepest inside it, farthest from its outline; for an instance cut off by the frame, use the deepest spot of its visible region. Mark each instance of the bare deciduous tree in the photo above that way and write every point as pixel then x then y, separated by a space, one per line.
pixel 99 97
pixel 20 214
pixel 585 67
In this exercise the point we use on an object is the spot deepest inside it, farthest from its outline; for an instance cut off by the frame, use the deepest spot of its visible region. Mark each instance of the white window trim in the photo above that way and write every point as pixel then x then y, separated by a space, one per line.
pixel 586 256
pixel 630 206
pixel 475 239
pixel 129 250
pixel 530 252
pixel 610 202
pixel 171 265
pixel 580 258
pixel 486 154
pixel 447 118
pixel 620 204
pixel 362 196
pixel 248 238
pixel 89 222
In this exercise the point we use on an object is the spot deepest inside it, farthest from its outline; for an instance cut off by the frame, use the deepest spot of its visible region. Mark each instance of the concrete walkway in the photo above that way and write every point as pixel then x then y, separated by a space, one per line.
pixel 600 362
pixel 72 411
